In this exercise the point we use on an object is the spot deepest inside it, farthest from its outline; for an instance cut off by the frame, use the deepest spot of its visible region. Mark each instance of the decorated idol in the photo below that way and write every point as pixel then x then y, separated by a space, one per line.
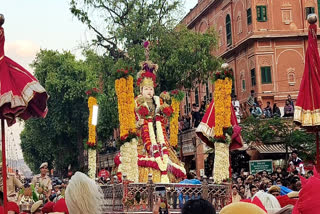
pixel 145 146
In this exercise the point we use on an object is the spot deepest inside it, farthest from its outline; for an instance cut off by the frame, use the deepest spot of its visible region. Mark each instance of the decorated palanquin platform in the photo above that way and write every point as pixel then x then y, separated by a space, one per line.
pixel 128 197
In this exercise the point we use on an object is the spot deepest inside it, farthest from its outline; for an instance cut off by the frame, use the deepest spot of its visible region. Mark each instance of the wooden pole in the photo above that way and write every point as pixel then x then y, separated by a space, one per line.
pixel 4 168
pixel 318 151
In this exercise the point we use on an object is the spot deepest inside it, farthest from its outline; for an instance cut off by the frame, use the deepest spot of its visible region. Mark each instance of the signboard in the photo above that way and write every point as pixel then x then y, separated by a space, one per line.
pixel 256 166
pixel 188 148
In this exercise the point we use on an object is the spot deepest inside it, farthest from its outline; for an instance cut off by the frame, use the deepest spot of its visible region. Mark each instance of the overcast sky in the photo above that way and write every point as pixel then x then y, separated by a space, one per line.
pixel 47 24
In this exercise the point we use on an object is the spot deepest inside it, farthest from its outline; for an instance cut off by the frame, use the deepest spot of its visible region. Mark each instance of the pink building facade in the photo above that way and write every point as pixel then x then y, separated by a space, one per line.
pixel 264 41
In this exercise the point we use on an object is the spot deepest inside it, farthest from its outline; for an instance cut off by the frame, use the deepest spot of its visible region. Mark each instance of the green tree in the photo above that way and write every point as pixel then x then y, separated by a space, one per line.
pixel 184 56
pixel 59 137
pixel 279 130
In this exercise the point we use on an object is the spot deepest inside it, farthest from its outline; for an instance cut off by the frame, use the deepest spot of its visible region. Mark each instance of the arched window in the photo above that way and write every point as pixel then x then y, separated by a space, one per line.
pixel 196 96
pixel 207 91
pixel 228 30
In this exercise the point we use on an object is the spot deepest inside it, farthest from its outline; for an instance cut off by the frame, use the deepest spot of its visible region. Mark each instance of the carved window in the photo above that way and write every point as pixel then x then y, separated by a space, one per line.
pixel 243 81
pixel 220 36
pixel 249 16
pixel 291 76
pixel 239 23
pixel 228 30
pixel 196 96
pixel 253 77
pixel 286 16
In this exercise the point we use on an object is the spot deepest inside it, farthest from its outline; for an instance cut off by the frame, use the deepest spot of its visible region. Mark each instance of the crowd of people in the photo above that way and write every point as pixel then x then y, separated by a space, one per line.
pixel 79 195
pixel 253 107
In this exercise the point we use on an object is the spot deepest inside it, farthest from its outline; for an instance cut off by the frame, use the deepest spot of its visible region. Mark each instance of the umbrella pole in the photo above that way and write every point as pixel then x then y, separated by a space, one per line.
pixel 318 152
pixel 4 167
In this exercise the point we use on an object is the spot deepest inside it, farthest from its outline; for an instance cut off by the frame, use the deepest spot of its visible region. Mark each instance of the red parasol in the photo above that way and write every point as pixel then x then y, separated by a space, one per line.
pixel 307 109
pixel 205 130
pixel 21 95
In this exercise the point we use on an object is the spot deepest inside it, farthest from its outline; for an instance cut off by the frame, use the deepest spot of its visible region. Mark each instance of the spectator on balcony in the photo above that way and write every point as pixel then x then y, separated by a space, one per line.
pixel 256 111
pixel 290 101
pixel 244 111
pixel 267 111
pixel 250 100
pixel 181 125
pixel 186 122
pixel 195 116
pixel 276 111
pixel 236 106
pixel 288 110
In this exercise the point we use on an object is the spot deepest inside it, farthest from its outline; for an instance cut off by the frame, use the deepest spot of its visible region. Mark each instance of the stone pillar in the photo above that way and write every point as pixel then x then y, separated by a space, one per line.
pixel 199 156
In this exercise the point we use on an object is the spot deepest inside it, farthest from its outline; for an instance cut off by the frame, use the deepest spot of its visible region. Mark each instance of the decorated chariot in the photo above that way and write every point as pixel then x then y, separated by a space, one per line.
pixel 147 157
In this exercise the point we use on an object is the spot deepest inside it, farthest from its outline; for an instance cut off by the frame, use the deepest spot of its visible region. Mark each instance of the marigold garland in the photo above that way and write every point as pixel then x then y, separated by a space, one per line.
pixel 91 139
pixel 174 123
pixel 124 91
pixel 222 104
pixel 92 128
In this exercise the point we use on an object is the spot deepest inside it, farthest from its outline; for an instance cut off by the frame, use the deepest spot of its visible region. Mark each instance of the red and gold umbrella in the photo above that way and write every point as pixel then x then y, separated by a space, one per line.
pixel 307 109
pixel 21 95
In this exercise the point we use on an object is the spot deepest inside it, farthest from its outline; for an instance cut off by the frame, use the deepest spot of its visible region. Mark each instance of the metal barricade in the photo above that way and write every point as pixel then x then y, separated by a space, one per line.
pixel 139 197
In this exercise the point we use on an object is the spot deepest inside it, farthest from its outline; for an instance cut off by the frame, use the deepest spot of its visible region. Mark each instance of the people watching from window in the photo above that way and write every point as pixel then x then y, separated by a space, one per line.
pixel 276 111
pixel 267 111
pixel 256 111
pixel 290 101
pixel 250 100
pixel 288 110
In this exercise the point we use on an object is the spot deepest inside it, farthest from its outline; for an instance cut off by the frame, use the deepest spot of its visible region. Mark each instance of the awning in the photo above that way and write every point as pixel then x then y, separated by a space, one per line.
pixel 272 148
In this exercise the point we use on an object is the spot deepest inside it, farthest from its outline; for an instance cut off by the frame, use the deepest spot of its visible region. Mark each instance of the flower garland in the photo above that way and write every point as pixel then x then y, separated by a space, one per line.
pixel 222 104
pixel 174 123
pixel 92 160
pixel 91 139
pixel 130 106
pixel 221 162
pixel 92 128
pixel 125 94
pixel 222 129
pixel 129 160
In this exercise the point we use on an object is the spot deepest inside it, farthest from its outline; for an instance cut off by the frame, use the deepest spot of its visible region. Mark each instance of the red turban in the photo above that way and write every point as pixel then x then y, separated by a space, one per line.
pixel 48 207
pixel 61 206
pixel 284 200
pixel 12 206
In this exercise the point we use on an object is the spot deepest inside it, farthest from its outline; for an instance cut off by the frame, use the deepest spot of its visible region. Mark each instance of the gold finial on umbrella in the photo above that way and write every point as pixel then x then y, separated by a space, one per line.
pixel 312 18
pixel 1 19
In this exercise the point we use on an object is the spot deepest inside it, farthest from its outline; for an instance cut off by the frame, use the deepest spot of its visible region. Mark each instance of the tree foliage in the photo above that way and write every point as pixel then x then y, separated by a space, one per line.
pixel 279 130
pixel 184 56
pixel 58 138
